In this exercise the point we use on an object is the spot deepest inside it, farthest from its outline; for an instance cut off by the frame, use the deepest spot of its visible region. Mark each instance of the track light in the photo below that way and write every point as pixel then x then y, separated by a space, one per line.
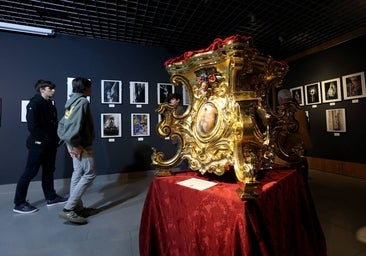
pixel 26 29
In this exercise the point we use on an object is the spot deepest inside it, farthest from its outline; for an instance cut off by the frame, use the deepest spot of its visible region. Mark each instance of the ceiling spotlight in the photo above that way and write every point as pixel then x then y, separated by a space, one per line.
pixel 26 29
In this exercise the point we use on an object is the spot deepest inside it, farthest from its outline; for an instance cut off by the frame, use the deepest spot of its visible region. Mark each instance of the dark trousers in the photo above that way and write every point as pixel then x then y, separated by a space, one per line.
pixel 38 157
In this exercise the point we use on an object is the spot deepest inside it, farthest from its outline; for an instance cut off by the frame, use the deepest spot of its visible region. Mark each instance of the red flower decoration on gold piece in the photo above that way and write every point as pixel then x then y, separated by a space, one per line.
pixel 211 78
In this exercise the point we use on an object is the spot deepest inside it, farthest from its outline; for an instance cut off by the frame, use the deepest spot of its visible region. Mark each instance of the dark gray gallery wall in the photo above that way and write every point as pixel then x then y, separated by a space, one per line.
pixel 343 59
pixel 24 59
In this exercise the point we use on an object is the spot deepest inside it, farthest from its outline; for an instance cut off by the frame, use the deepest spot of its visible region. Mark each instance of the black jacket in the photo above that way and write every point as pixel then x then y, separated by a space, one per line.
pixel 42 123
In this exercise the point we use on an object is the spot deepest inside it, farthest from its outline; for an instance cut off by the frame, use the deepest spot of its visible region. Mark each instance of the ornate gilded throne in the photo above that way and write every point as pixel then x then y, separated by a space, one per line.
pixel 230 123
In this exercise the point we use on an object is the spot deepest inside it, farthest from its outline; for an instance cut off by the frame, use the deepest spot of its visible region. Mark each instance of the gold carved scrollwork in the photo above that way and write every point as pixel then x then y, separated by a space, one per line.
pixel 226 126
pixel 284 130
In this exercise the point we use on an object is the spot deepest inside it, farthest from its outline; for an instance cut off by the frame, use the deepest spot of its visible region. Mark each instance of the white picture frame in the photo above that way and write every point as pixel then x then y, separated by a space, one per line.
pixel 111 125
pixel 140 124
pixel 23 114
pixel 298 94
pixel 312 93
pixel 69 88
pixel 111 91
pixel 331 90
pixel 163 92
pixel 139 92
pixel 354 86
pixel 336 120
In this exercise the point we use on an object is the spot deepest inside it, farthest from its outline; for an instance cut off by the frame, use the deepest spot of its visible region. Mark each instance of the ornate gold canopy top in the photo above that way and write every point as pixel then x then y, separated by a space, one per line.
pixel 227 123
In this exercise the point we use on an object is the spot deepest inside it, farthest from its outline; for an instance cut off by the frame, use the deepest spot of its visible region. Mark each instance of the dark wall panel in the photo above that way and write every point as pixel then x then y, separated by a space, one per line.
pixel 25 59
pixel 343 59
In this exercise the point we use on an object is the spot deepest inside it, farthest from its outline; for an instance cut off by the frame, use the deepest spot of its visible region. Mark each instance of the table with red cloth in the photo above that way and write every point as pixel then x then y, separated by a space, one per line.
pixel 178 220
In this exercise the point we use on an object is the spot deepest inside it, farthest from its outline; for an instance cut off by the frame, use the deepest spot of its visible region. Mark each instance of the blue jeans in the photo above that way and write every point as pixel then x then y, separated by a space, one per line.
pixel 82 177
pixel 37 157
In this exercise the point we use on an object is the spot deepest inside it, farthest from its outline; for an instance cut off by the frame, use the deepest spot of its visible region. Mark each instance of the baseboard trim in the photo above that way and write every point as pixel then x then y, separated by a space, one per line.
pixel 351 169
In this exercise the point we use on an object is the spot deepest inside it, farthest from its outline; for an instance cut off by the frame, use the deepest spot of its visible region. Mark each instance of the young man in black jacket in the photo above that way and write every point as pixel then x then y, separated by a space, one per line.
pixel 42 144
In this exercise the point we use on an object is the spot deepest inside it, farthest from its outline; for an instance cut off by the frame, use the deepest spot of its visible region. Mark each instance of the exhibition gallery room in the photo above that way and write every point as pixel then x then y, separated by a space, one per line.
pixel 173 128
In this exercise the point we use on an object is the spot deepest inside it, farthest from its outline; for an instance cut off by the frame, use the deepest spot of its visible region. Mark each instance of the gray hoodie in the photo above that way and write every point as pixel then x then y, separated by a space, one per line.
pixel 76 126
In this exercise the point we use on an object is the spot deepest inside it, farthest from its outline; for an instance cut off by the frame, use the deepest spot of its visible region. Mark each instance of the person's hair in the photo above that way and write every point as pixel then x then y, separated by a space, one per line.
pixel 176 96
pixel 284 94
pixel 79 84
pixel 43 84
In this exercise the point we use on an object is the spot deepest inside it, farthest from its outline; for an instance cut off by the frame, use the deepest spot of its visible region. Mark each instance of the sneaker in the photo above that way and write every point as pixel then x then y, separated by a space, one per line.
pixel 72 217
pixel 87 212
pixel 58 200
pixel 25 208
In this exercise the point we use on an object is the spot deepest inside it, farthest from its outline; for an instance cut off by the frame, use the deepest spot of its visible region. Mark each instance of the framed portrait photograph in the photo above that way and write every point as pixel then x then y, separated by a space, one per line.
pixel 336 120
pixel 111 91
pixel 331 90
pixel 354 86
pixel 312 94
pixel 139 92
pixel 298 95
pixel 111 125
pixel 140 124
pixel 164 90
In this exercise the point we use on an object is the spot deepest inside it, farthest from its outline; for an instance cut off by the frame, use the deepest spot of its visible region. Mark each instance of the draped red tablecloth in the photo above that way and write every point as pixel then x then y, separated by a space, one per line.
pixel 178 220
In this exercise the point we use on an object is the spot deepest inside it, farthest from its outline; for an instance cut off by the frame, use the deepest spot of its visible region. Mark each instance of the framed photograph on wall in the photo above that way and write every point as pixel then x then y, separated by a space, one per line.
pixel 111 91
pixel 140 124
pixel 298 95
pixel 111 125
pixel 139 92
pixel 23 115
pixel 312 94
pixel 336 120
pixel 185 96
pixel 331 90
pixel 354 86
pixel 164 90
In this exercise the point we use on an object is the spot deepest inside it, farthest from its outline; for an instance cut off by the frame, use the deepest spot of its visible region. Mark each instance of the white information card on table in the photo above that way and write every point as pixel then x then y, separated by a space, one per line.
pixel 197 183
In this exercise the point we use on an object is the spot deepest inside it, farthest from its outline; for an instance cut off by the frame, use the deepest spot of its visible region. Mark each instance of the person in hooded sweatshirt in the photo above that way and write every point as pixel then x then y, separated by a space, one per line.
pixel 76 129
pixel 42 144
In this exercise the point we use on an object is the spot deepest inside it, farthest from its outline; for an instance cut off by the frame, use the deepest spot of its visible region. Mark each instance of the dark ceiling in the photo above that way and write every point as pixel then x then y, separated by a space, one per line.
pixel 281 29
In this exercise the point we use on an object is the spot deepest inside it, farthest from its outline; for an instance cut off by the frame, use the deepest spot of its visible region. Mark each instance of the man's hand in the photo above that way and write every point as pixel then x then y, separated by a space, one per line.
pixel 76 152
